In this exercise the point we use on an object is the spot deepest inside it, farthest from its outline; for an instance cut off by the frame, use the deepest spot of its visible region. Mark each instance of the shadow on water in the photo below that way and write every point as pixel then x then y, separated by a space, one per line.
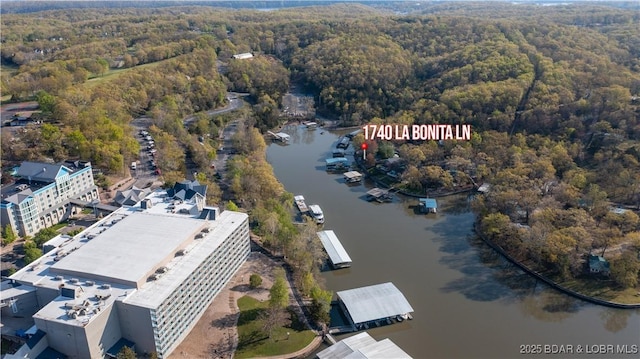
pixel 490 277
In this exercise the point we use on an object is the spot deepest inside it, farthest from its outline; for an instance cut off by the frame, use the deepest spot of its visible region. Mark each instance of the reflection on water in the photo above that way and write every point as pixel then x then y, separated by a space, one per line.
pixel 469 302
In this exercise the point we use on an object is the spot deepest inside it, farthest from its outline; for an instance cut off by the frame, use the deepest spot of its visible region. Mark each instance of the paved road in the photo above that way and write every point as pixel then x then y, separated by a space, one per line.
pixel 234 103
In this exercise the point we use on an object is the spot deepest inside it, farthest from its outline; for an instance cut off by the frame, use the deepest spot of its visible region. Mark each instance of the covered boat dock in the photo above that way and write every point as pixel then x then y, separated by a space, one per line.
pixel 374 305
pixel 280 136
pixel 337 254
pixel 428 205
pixel 337 163
pixel 352 177
pixel 362 345
pixel 379 195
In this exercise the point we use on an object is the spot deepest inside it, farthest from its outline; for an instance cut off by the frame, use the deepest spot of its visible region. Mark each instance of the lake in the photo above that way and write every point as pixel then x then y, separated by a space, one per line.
pixel 468 301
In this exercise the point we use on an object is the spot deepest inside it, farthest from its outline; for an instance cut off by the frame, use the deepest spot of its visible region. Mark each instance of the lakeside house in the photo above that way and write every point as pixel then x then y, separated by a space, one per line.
pixel 597 264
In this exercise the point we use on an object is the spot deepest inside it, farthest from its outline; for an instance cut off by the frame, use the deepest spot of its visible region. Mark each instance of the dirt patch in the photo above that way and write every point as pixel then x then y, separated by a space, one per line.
pixel 215 335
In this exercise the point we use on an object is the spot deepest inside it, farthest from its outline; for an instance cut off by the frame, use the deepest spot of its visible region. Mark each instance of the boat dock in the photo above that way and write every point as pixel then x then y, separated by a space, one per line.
pixel 352 177
pixel 337 163
pixel 374 305
pixel 300 203
pixel 280 136
pixel 428 205
pixel 379 195
pixel 337 254
pixel 343 143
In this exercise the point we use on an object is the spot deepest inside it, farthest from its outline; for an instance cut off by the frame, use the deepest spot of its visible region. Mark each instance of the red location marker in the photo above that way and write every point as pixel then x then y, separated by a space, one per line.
pixel 364 150
pixel 364 146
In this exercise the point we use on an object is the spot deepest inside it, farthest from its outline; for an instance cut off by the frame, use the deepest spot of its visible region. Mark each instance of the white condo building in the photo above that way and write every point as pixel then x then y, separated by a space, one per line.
pixel 41 196
pixel 141 277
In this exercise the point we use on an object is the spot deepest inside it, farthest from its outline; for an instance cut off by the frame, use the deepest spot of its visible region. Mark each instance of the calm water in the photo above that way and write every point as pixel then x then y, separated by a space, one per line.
pixel 468 302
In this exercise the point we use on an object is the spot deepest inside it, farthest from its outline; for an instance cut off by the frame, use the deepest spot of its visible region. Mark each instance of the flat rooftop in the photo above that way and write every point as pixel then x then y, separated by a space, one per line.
pixel 130 248
pixel 374 302
pixel 153 293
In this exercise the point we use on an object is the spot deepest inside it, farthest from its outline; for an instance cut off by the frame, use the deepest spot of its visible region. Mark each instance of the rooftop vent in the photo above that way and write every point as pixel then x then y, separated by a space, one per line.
pixel 106 286
pixel 73 280
pixel 206 230
pixel 89 283
pixel 181 252
pixel 199 235
pixel 152 277
pixel 58 277
pixel 161 270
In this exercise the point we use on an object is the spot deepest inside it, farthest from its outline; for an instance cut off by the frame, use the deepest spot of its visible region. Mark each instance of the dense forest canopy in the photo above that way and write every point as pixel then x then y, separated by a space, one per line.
pixel 552 94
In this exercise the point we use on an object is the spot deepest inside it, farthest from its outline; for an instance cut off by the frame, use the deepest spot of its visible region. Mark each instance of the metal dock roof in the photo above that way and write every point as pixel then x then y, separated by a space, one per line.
pixel 334 248
pixel 352 175
pixel 374 302
pixel 331 161
pixel 362 345
pixel 377 192
pixel 429 202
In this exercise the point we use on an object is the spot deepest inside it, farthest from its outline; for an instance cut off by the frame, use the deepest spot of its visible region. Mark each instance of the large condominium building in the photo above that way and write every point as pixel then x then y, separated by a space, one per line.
pixel 41 196
pixel 141 277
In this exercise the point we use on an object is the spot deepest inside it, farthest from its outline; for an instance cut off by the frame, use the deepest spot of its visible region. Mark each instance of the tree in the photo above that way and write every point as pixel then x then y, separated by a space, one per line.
pixel 44 235
pixel 624 269
pixel 273 318
pixel 8 235
pixel 232 206
pixel 279 293
pixel 31 252
pixel 126 353
pixel 46 101
pixel 255 281
pixel 321 304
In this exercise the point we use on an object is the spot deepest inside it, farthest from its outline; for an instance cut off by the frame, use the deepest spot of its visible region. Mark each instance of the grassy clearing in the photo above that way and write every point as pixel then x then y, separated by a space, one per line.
pixel 602 289
pixel 253 342
pixel 113 74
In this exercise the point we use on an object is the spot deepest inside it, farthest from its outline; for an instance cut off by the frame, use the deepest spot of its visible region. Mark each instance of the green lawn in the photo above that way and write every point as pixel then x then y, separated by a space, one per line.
pixel 253 342
pixel 114 73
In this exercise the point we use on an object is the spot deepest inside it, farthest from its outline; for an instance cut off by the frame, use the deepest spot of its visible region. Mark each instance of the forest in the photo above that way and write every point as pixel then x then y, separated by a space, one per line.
pixel 552 94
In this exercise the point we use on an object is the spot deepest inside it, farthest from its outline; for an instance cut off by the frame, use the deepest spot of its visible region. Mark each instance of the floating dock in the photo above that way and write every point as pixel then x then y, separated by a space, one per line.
pixel 352 177
pixel 302 206
pixel 337 254
pixel 379 195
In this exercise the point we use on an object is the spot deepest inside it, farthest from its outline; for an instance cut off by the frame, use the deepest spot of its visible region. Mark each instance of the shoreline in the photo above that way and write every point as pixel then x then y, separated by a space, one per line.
pixel 551 282
pixel 507 256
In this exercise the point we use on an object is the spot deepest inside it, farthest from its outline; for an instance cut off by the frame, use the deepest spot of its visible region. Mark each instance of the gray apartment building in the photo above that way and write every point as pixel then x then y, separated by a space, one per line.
pixel 41 195
pixel 141 277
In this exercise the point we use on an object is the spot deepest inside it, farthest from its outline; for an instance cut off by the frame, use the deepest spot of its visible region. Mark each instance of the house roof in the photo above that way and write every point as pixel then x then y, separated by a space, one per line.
pixel 43 172
pixel 185 190
pixel 598 262
pixel 131 196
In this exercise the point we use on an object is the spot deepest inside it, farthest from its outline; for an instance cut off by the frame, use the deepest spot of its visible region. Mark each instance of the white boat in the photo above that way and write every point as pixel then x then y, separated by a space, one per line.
pixel 316 213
